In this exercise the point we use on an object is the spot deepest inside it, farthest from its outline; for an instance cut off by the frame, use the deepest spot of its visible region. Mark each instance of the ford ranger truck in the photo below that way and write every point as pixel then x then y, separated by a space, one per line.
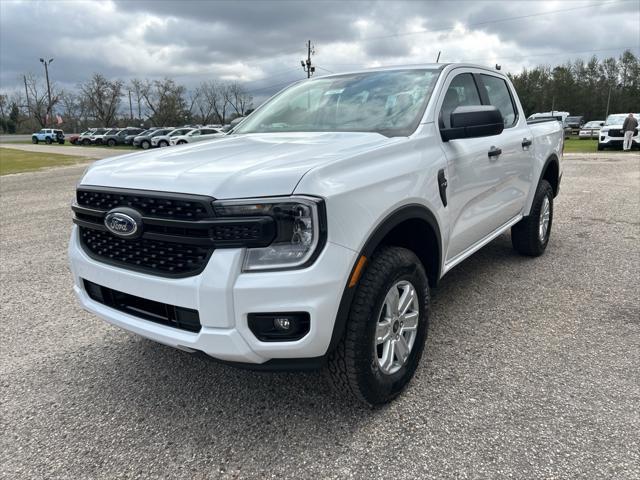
pixel 312 234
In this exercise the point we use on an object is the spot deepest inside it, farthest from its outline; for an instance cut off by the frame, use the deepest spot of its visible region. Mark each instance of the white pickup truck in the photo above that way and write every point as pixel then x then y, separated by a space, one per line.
pixel 311 235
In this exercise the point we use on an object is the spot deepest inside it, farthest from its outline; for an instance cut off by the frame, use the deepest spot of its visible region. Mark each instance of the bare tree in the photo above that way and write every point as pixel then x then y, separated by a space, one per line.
pixel 104 97
pixel 239 98
pixel 36 90
pixel 165 99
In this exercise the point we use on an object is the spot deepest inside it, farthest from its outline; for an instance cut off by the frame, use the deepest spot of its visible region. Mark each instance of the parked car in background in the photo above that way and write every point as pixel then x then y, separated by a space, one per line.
pixel 97 138
pixel 611 134
pixel 128 139
pixel 85 138
pixel 144 141
pixel 575 122
pixel 590 129
pixel 73 138
pixel 197 135
pixel 48 136
pixel 163 140
pixel 113 139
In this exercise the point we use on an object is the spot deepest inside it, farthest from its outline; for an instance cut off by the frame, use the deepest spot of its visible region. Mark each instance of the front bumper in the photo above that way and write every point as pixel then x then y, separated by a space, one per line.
pixel 605 139
pixel 224 296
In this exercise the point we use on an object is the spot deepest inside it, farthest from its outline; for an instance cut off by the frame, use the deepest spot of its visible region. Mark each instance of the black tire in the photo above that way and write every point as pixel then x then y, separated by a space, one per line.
pixel 47 140
pixel 146 145
pixel 34 140
pixel 98 141
pixel 61 142
pixel 111 142
pixel 86 141
pixel 163 143
pixel 181 142
pixel 353 367
pixel 525 235
pixel 600 147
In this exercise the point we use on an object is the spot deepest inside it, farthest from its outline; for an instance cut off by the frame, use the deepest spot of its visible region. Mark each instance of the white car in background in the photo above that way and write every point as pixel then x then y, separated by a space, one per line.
pixel 163 140
pixel 96 138
pixel 590 129
pixel 611 134
pixel 197 135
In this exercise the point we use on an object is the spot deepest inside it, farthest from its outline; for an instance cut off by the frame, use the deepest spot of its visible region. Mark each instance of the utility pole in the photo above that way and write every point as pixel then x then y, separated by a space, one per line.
pixel 609 98
pixel 438 59
pixel 130 106
pixel 46 71
pixel 306 65
pixel 26 92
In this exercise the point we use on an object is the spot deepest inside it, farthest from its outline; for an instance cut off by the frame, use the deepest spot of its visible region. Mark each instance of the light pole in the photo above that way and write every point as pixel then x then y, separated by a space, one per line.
pixel 46 72
pixel 609 98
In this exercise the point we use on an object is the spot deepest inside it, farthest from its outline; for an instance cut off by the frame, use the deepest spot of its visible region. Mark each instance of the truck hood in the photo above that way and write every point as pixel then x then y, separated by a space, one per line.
pixel 236 166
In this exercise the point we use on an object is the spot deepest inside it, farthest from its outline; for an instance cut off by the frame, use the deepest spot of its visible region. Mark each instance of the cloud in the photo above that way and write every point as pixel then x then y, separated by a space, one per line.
pixel 261 43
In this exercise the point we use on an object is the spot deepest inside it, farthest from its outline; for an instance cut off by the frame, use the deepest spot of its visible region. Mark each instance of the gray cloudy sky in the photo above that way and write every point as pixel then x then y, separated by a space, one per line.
pixel 261 42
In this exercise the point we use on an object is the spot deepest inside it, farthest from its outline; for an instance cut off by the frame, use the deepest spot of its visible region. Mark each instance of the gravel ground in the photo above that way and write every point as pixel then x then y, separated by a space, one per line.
pixel 531 367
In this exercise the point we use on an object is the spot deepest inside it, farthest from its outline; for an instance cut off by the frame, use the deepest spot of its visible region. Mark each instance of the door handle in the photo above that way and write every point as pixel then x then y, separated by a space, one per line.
pixel 494 152
pixel 526 142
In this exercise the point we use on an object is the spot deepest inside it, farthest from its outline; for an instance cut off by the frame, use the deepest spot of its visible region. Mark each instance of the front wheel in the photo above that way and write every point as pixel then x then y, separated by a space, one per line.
pixel 111 142
pixel 386 329
pixel 145 145
pixel 34 140
pixel 182 142
pixel 163 143
pixel 600 147
pixel 530 235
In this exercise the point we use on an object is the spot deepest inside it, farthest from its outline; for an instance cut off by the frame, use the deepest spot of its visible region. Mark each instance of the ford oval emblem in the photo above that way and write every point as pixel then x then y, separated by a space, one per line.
pixel 121 224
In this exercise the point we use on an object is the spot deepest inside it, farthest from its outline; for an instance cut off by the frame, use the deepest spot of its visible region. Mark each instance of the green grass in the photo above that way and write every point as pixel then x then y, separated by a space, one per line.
pixel 16 161
pixel 575 145
pixel 67 144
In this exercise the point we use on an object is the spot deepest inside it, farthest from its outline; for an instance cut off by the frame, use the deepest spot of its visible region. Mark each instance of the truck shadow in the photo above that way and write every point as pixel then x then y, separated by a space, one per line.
pixel 198 402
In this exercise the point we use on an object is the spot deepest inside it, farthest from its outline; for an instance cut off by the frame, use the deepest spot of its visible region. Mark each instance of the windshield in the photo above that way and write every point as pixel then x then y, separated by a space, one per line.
pixel 615 119
pixel 388 102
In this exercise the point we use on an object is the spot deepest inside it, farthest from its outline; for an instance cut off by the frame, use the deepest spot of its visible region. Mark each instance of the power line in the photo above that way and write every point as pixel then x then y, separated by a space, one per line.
pixel 487 22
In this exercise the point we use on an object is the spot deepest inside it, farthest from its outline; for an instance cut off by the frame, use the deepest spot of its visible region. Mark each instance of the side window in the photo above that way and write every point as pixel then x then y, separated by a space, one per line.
pixel 499 96
pixel 462 91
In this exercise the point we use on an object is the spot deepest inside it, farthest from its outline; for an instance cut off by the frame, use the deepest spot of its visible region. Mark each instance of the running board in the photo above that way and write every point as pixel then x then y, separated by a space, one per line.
pixel 478 245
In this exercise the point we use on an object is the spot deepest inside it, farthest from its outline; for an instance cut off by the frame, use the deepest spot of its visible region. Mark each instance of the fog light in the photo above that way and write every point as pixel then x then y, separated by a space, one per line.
pixel 282 323
pixel 279 327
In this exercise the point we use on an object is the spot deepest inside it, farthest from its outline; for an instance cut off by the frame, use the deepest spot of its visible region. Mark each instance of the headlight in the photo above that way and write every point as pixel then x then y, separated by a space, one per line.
pixel 604 130
pixel 300 230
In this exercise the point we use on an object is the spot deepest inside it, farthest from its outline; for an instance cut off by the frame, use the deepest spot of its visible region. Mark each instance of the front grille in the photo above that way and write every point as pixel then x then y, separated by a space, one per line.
pixel 141 253
pixel 615 133
pixel 150 204
pixel 163 313
pixel 177 233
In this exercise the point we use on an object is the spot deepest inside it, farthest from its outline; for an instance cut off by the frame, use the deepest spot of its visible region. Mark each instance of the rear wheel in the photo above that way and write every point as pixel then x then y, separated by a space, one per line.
pixel 86 141
pixel 530 235
pixel 386 329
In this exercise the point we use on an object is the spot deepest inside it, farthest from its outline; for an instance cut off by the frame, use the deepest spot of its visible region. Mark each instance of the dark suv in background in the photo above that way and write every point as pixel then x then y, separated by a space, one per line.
pixel 113 139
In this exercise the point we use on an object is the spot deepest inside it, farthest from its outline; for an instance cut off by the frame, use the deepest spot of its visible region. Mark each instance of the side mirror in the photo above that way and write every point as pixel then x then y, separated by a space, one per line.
pixel 474 121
